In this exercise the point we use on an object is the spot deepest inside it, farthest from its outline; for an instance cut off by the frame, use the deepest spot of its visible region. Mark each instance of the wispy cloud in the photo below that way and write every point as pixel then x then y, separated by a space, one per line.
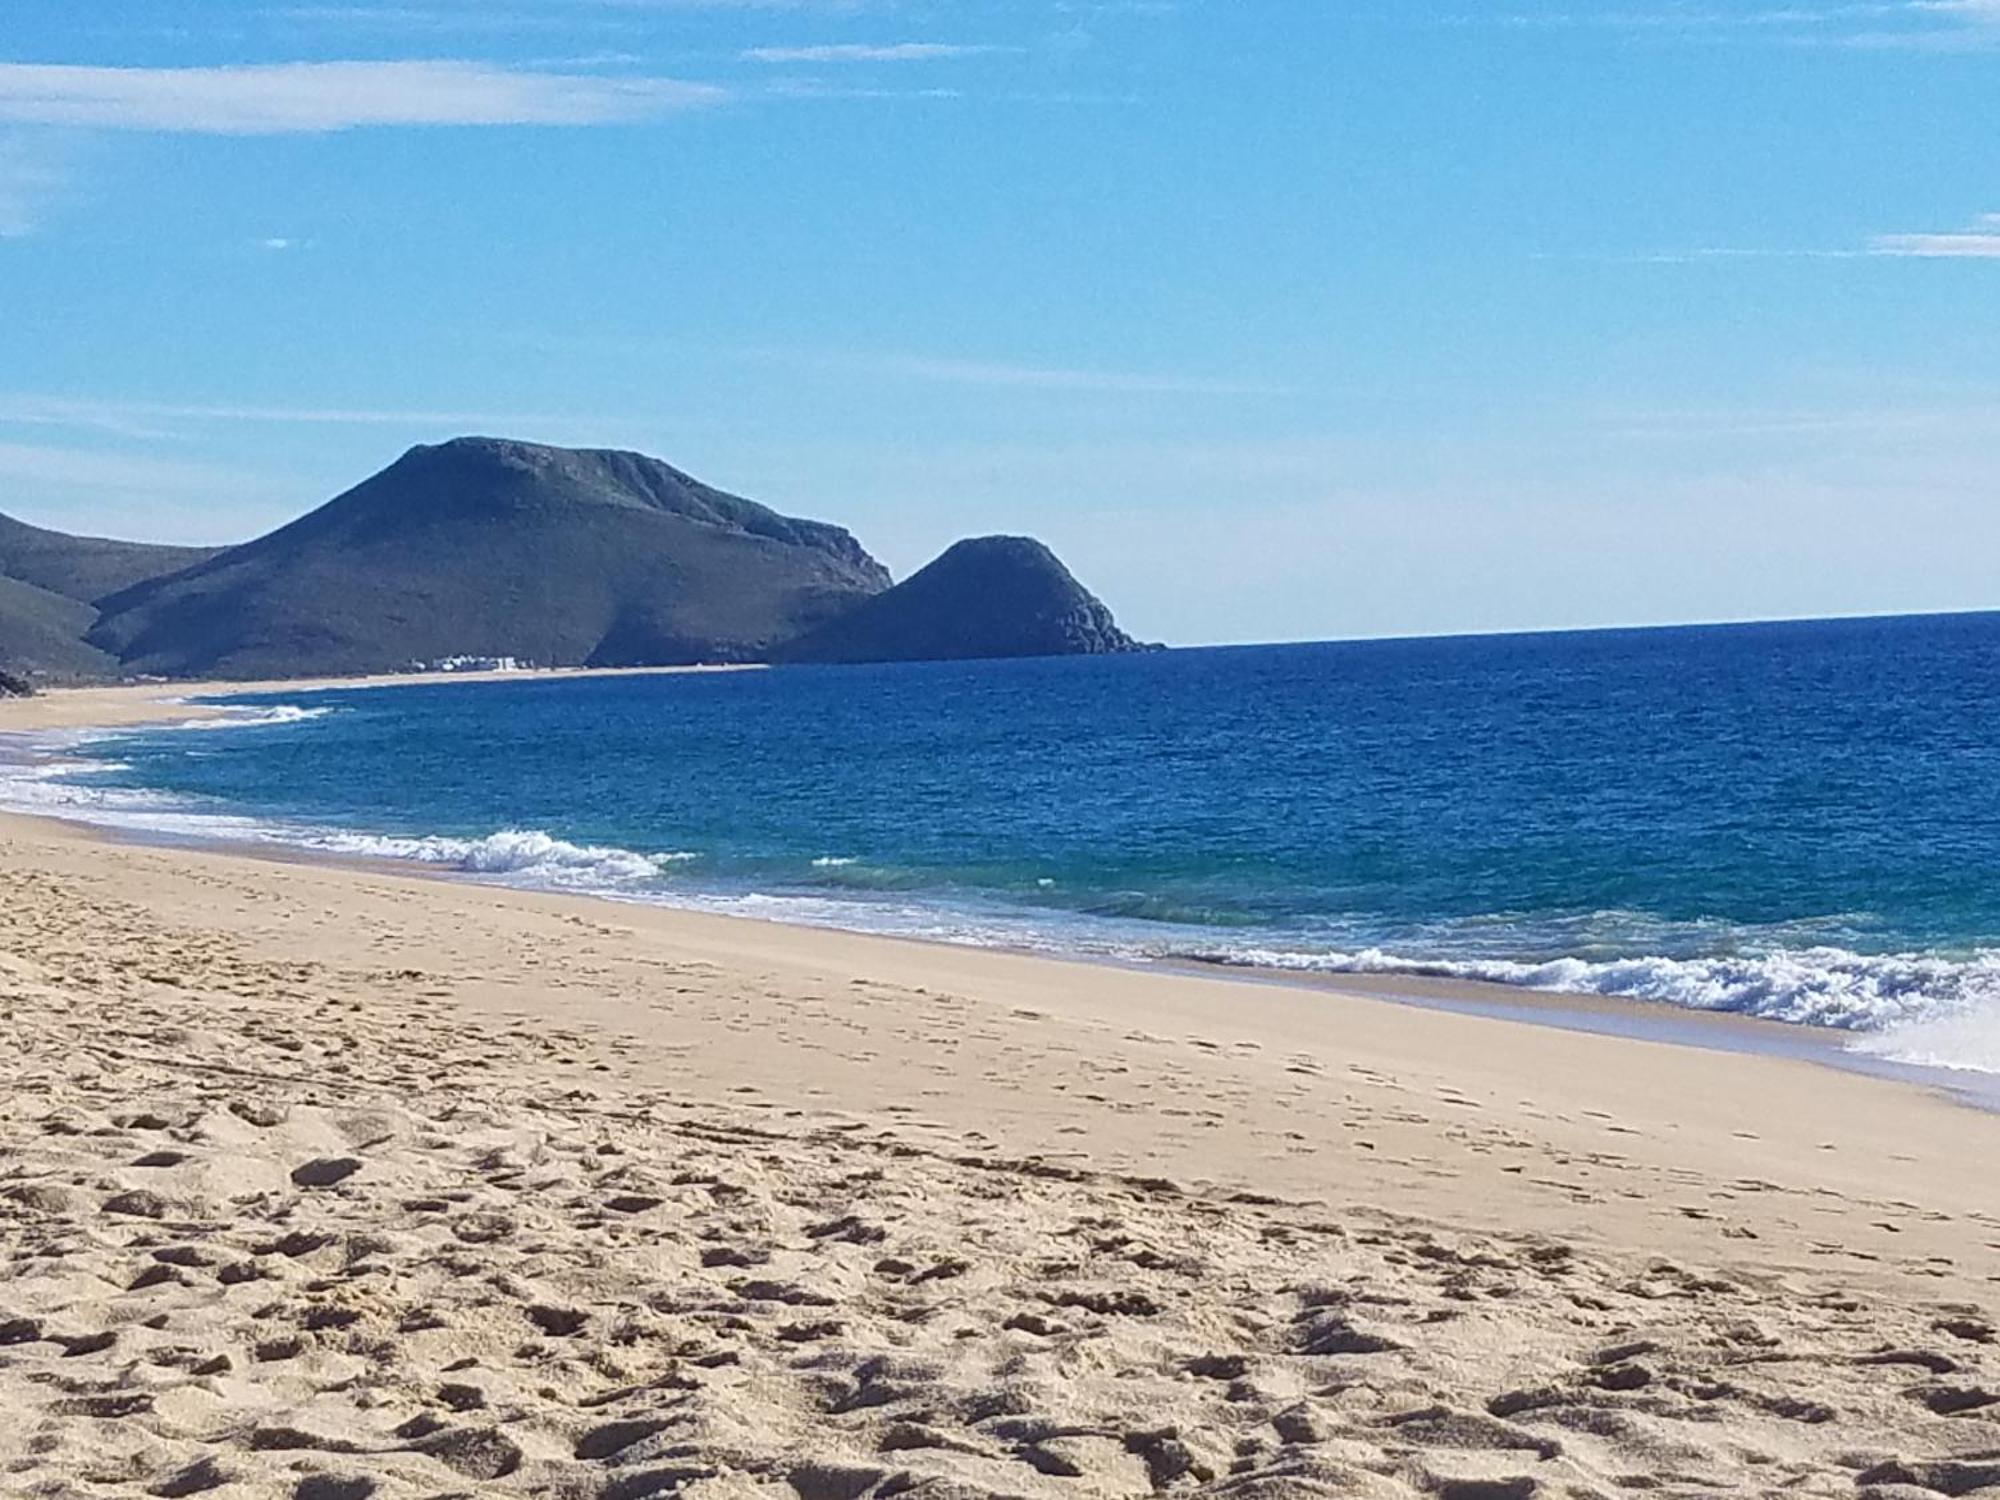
pixel 435 20
pixel 813 88
pixel 1917 25
pixel 1928 424
pixel 32 180
pixel 31 463
pixel 892 365
pixel 140 495
pixel 809 7
pixel 1940 27
pixel 864 52
pixel 1981 242
pixel 1025 377
pixel 156 419
pixel 298 97
pixel 1048 378
pixel 1671 18
pixel 482 15
pixel 1716 255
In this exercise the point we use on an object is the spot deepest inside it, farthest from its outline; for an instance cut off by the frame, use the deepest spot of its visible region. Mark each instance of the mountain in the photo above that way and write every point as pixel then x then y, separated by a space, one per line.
pixel 554 556
pixel 49 585
pixel 86 568
pixel 994 596
pixel 489 547
pixel 41 634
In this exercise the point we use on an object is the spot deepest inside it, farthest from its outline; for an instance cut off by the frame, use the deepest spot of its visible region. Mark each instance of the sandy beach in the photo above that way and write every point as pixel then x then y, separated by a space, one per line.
pixel 128 704
pixel 333 1183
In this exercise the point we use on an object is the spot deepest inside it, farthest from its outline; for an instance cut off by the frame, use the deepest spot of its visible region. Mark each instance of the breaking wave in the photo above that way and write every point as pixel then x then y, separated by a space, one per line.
pixel 517 852
pixel 1924 1009
pixel 65 788
pixel 1821 986
pixel 254 718
pixel 1967 1042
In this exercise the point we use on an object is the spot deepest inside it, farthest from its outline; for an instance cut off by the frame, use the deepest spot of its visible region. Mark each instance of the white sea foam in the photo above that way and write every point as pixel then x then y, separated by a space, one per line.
pixel 834 862
pixel 63 788
pixel 1821 986
pixel 1914 1008
pixel 1968 1042
pixel 1920 1009
pixel 525 853
pixel 230 717
pixel 52 789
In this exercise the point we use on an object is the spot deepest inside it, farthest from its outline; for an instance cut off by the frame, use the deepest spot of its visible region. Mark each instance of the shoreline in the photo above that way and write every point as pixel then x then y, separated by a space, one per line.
pixel 83 710
pixel 131 705
pixel 333 1181
pixel 1156 998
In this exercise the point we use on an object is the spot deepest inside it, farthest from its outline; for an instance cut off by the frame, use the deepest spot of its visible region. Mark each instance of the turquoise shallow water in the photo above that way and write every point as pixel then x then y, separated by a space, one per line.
pixel 1798 821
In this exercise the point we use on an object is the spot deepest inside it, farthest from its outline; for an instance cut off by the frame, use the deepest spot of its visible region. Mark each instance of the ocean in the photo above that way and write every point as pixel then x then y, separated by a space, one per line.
pixel 1795 821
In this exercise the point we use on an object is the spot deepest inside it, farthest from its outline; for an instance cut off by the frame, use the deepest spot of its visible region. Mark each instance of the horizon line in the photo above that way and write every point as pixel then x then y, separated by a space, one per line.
pixel 1734 622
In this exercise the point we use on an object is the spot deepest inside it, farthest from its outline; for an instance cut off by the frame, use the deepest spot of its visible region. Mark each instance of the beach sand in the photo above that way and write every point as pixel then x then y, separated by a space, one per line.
pixel 333 1183
pixel 127 704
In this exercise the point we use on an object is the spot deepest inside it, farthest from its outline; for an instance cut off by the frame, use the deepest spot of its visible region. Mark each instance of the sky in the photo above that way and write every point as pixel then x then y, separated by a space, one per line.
pixel 1278 319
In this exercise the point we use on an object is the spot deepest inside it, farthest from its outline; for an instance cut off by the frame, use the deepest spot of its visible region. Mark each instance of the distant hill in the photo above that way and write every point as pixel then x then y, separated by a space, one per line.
pixel 41 635
pixel 85 567
pixel 489 547
pixel 996 596
pixel 49 585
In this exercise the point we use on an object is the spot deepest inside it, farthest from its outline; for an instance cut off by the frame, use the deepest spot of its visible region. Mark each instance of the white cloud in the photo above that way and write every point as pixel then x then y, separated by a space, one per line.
pixel 288 97
pixel 924 369
pixel 119 494
pixel 1876 25
pixel 432 19
pixel 832 7
pixel 1011 376
pixel 483 15
pixel 40 465
pixel 1982 242
pixel 31 181
pixel 1045 378
pixel 145 419
pixel 812 88
pixel 861 52
pixel 1720 254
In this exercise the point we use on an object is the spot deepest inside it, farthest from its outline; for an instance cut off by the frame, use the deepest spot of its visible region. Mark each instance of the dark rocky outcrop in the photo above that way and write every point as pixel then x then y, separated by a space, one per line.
pixel 489 547
pixel 14 686
pixel 996 596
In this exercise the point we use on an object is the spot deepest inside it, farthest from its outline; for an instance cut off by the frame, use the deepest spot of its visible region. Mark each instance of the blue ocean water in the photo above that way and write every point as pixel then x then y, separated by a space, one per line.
pixel 1799 821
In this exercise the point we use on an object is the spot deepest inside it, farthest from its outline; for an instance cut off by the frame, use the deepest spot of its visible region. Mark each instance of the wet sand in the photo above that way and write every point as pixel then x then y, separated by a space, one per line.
pixel 338 1182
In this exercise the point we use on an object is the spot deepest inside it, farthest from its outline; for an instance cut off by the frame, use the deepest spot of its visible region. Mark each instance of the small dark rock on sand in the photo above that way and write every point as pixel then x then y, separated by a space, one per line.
pixel 325 1171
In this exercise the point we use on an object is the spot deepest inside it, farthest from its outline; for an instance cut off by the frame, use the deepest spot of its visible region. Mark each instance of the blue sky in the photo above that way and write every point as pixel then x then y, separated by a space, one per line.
pixel 1278 319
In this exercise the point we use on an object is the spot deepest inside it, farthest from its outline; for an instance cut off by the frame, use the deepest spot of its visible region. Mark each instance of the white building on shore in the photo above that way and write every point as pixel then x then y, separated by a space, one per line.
pixel 472 664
